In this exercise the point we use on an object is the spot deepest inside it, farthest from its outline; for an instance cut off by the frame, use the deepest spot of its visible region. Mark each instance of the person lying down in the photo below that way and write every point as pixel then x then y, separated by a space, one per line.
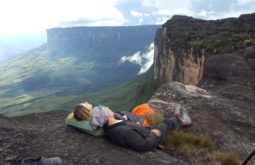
pixel 126 130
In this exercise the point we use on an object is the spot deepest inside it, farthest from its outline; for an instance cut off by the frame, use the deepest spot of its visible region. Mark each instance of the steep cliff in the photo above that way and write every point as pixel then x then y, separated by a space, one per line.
pixel 183 44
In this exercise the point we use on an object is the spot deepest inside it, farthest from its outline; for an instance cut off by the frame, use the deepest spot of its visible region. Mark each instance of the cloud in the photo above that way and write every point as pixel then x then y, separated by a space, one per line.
pixel 204 13
pixel 136 13
pixel 244 2
pixel 139 16
pixel 211 9
pixel 145 60
pixel 173 12
pixel 28 16
pixel 167 4
pixel 36 15
pixel 162 20
pixel 234 10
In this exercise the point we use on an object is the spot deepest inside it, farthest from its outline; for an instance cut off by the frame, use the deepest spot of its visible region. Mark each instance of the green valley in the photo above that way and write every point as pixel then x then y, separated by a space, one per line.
pixel 70 69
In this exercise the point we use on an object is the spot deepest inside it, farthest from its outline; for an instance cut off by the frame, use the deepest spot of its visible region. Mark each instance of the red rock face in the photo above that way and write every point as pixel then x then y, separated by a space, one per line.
pixel 192 68
pixel 181 65
pixel 184 43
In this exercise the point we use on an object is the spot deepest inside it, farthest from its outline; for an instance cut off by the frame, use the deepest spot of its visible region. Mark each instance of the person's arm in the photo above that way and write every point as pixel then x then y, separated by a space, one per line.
pixel 135 141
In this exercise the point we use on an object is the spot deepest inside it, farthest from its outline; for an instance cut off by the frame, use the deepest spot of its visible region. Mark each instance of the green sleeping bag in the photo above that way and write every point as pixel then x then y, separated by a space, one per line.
pixel 83 126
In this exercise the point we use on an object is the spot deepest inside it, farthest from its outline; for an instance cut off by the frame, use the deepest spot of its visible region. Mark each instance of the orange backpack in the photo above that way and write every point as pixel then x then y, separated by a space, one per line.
pixel 143 110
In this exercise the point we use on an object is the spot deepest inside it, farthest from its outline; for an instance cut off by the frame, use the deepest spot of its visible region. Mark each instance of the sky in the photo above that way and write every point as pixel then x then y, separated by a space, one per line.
pixel 33 16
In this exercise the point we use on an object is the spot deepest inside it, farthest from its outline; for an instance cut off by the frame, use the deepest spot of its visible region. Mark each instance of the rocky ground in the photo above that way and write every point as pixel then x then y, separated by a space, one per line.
pixel 229 122
pixel 45 134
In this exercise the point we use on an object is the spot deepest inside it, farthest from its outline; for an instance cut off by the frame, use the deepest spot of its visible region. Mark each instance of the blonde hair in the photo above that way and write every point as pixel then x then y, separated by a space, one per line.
pixel 82 113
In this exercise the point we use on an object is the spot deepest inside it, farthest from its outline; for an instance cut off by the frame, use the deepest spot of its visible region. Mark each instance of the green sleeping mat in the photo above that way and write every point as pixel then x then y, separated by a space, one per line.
pixel 83 126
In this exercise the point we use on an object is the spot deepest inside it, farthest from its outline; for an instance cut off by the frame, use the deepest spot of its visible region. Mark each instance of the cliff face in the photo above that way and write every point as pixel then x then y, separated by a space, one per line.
pixel 184 43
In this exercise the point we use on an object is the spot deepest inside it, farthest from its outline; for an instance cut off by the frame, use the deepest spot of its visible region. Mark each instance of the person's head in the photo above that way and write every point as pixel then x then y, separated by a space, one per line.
pixel 101 116
pixel 83 111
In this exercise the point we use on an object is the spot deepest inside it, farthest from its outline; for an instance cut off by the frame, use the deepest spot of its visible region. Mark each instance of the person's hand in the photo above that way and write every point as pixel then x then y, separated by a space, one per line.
pixel 125 117
pixel 156 131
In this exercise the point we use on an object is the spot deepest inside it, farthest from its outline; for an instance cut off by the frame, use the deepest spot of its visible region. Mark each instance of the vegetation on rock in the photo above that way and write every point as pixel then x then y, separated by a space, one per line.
pixel 220 36
pixel 192 147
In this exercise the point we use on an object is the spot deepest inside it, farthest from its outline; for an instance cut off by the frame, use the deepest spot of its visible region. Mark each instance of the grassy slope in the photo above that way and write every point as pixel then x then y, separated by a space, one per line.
pixel 127 96
pixel 36 81
pixel 120 98
pixel 26 78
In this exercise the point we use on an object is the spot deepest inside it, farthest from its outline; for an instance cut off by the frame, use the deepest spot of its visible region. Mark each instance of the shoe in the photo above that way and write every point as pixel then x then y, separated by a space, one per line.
pixel 161 146
pixel 31 161
pixel 42 161
pixel 177 111
pixel 182 114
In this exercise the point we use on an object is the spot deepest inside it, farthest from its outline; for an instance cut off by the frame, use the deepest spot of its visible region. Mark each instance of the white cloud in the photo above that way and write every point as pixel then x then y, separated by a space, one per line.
pixel 160 21
pixel 211 15
pixel 35 15
pixel 135 58
pixel 244 2
pixel 136 13
pixel 145 60
pixel 139 16
pixel 149 56
pixel 204 13
pixel 167 4
pixel 173 12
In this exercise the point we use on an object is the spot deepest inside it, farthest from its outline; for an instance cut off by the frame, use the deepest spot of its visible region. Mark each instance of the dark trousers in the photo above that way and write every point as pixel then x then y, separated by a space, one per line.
pixel 166 126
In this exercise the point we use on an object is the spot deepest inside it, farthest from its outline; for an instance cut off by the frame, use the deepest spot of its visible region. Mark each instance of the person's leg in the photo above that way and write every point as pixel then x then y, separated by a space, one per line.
pixel 166 126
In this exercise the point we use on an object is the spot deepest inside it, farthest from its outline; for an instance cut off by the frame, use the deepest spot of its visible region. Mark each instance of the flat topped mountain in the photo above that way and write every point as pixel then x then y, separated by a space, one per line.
pixel 101 38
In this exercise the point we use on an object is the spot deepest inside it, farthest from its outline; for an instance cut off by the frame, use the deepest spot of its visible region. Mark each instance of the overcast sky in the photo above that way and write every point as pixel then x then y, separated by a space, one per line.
pixel 29 16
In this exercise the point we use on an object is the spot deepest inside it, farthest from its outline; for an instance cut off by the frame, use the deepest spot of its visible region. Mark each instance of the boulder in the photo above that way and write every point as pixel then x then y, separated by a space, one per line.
pixel 224 113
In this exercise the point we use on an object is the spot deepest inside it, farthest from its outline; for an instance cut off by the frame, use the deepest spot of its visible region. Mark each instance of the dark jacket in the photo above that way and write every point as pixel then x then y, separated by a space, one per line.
pixel 130 134
pixel 131 117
